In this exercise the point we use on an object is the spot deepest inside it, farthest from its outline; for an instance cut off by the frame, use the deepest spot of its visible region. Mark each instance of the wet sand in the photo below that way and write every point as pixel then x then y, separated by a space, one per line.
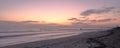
pixel 78 41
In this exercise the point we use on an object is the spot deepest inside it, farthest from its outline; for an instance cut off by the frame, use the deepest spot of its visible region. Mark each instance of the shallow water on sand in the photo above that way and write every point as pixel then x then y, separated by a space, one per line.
pixel 12 38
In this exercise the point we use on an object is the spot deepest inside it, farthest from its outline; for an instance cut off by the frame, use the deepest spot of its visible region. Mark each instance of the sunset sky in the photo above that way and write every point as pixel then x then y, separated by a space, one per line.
pixel 63 12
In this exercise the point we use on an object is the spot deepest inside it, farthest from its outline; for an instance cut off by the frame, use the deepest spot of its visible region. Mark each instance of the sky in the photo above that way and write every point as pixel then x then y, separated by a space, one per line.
pixel 61 12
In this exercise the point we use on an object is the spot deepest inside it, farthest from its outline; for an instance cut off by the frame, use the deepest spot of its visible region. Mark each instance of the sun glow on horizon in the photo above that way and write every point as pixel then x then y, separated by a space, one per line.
pixel 58 12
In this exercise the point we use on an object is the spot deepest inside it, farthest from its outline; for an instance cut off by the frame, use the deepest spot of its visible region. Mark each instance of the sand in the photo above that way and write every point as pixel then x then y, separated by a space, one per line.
pixel 78 41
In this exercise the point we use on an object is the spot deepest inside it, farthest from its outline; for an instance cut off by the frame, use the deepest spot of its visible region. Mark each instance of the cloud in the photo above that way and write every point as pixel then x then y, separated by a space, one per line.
pixel 77 21
pixel 105 20
pixel 96 11
pixel 30 21
pixel 101 20
pixel 85 21
pixel 23 26
pixel 74 19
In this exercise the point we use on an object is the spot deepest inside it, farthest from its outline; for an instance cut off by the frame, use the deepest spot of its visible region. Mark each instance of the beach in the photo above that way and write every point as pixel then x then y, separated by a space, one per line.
pixel 76 41
pixel 59 23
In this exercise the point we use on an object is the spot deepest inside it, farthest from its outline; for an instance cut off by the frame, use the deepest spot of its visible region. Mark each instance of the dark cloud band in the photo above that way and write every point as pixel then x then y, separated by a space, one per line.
pixel 96 11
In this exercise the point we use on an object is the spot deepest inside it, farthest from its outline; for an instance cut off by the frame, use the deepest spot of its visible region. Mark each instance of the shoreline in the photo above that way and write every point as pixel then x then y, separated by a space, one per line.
pixel 66 42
